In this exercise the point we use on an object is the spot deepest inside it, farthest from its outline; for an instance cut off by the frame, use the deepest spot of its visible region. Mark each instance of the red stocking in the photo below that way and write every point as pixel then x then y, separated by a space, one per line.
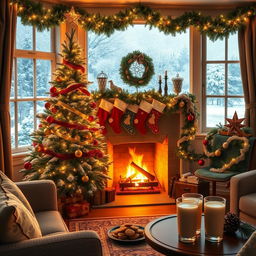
pixel 141 116
pixel 154 116
pixel 104 109
pixel 117 112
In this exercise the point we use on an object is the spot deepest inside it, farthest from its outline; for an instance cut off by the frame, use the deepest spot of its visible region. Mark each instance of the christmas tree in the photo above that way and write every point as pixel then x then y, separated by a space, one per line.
pixel 68 146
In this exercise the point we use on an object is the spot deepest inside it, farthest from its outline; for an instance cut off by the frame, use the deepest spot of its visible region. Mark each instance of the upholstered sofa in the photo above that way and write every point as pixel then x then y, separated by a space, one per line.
pixel 243 196
pixel 56 239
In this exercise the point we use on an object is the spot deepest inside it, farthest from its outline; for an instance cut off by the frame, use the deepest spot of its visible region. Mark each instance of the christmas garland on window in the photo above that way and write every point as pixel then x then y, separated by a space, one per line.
pixel 34 13
pixel 129 72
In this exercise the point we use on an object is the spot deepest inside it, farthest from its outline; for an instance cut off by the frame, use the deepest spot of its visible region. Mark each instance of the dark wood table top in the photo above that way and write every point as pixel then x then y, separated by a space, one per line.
pixel 162 235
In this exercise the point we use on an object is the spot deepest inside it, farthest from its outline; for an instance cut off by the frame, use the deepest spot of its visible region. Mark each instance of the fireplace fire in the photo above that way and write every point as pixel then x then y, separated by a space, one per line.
pixel 138 179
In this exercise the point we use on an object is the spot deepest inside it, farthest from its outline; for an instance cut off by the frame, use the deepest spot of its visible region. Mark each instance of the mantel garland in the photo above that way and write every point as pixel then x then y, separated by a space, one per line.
pixel 185 103
pixel 34 13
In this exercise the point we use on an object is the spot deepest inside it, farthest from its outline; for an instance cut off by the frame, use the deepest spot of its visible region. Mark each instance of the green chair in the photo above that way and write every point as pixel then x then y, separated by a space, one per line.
pixel 249 162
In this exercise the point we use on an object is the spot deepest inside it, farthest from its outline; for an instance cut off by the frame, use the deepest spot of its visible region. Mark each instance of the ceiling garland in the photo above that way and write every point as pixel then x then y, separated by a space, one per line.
pixel 34 13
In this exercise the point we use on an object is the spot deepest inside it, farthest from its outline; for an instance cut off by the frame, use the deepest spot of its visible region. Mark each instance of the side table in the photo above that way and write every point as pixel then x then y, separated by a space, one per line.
pixel 162 235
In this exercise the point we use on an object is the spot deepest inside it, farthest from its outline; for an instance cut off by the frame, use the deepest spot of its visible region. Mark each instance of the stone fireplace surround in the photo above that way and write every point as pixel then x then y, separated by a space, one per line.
pixel 165 163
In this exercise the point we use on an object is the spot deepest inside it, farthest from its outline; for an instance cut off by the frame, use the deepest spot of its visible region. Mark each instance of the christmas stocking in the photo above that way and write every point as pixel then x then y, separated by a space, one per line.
pixel 127 121
pixel 104 109
pixel 117 112
pixel 154 116
pixel 141 116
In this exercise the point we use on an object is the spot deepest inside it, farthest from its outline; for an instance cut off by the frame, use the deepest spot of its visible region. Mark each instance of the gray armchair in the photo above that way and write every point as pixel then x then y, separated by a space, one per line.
pixel 243 196
pixel 56 240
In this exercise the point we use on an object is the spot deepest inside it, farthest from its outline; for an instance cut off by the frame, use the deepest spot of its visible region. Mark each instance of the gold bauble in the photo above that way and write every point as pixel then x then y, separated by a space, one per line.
pixel 181 104
pixel 85 178
pixel 77 138
pixel 225 145
pixel 88 135
pixel 78 153
pixel 217 152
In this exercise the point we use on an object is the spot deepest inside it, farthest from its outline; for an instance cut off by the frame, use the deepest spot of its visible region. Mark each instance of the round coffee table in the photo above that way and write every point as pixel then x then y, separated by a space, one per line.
pixel 162 235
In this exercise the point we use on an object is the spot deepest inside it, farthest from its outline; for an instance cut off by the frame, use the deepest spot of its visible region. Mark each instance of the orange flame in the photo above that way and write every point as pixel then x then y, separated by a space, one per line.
pixel 137 159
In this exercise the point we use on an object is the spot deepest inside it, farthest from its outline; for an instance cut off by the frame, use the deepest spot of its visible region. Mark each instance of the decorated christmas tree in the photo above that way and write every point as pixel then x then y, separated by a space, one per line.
pixel 68 146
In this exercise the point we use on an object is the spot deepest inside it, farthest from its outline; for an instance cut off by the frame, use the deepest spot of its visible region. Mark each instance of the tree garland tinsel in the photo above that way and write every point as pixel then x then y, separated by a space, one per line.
pixel 142 59
pixel 34 13
pixel 185 103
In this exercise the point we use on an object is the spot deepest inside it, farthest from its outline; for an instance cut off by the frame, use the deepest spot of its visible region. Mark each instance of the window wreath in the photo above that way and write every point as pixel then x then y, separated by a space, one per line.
pixel 136 69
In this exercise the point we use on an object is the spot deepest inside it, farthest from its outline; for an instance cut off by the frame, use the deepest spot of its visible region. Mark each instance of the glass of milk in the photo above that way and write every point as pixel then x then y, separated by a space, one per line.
pixel 200 198
pixel 187 219
pixel 214 214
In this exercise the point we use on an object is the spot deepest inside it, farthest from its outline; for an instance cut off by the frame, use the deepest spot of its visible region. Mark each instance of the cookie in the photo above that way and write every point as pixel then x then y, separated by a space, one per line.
pixel 129 232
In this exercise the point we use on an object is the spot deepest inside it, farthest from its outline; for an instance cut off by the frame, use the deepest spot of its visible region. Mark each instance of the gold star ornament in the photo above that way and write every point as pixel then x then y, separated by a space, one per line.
pixel 234 126
pixel 72 16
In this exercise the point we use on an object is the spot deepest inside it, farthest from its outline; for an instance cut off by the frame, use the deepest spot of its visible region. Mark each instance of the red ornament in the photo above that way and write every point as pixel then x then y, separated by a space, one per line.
pixel 205 142
pixel 91 118
pixel 95 142
pixel 27 165
pixel 53 89
pixel 47 105
pixel 49 119
pixel 190 117
pixel 34 144
pixel 39 148
pixel 40 126
pixel 54 94
pixel 93 104
pixel 54 110
pixel 200 162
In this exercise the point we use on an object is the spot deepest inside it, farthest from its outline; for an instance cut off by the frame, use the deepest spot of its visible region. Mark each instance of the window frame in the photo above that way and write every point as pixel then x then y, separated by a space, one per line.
pixel 225 96
pixel 33 55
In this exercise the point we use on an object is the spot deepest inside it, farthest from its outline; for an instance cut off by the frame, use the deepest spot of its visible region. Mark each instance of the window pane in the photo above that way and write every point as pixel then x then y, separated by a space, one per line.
pixel 215 111
pixel 234 80
pixel 215 79
pixel 237 105
pixel 13 79
pixel 43 41
pixel 25 77
pixel 12 124
pixel 24 36
pixel 25 122
pixel 39 109
pixel 215 50
pixel 167 52
pixel 233 53
pixel 43 76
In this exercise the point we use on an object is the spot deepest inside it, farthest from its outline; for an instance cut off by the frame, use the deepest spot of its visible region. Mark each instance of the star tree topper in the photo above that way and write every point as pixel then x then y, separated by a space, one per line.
pixel 72 16
pixel 235 125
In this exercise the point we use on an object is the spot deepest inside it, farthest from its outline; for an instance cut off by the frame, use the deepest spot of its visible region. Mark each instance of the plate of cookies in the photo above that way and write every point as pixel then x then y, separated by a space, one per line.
pixel 127 233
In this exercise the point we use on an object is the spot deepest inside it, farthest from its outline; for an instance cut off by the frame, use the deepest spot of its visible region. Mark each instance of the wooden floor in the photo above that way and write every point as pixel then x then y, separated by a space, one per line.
pixel 132 211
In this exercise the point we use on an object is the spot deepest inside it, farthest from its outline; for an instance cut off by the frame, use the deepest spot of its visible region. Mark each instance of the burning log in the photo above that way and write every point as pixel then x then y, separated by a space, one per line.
pixel 129 179
pixel 141 170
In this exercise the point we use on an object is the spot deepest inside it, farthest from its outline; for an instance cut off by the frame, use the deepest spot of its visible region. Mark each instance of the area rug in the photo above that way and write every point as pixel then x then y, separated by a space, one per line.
pixel 110 247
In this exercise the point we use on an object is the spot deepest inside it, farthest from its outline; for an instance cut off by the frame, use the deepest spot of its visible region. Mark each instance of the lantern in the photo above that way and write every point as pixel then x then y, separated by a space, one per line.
pixel 177 84
pixel 102 81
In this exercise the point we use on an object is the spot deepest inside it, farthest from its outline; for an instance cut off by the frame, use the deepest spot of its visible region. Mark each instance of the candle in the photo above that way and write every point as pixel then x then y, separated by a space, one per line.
pixel 165 73
pixel 214 212
pixel 160 78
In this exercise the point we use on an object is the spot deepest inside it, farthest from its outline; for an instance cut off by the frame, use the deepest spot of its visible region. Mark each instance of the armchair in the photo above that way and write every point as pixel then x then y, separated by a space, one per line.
pixel 243 196
pixel 56 239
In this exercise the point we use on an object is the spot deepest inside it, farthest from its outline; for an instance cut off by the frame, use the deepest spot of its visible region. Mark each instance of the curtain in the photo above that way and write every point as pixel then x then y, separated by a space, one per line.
pixel 247 51
pixel 7 38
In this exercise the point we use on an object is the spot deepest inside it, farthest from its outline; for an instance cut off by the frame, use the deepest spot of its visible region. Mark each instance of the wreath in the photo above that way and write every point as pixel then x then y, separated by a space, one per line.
pixel 136 69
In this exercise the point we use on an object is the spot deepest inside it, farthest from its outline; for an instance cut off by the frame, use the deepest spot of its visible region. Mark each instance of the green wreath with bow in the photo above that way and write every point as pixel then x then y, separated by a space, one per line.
pixel 136 69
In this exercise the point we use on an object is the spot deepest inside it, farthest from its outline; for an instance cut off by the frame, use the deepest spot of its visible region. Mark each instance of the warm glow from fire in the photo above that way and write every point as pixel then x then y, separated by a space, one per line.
pixel 137 159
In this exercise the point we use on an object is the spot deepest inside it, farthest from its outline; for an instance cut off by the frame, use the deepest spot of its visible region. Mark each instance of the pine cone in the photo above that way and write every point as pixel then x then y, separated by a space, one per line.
pixel 231 223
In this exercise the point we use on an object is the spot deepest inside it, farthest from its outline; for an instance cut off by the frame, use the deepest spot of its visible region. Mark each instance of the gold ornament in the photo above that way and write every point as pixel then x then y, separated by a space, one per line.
pixel 47 131
pixel 77 138
pixel 78 153
pixel 88 135
pixel 72 16
pixel 225 145
pixel 217 152
pixel 85 178
pixel 235 125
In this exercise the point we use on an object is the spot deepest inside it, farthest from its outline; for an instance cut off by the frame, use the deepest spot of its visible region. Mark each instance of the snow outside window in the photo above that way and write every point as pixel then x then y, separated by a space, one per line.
pixel 32 67
pixel 168 52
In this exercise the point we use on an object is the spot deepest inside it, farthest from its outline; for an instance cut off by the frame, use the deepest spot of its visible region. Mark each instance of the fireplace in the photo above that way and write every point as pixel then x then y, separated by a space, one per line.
pixel 157 164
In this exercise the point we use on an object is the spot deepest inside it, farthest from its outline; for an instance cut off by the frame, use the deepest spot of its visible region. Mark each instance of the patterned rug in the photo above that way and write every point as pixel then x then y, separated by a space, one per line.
pixel 110 247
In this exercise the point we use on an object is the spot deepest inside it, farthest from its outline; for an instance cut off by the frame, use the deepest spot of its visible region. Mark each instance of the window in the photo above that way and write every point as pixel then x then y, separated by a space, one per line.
pixel 222 91
pixel 167 52
pixel 33 63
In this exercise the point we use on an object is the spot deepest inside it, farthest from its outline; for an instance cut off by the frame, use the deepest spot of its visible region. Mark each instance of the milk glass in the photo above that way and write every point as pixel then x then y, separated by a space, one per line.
pixel 214 214
pixel 187 219
pixel 200 198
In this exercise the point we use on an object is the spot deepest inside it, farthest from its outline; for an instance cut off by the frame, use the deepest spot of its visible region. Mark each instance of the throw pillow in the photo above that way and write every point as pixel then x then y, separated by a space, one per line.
pixel 10 186
pixel 16 221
